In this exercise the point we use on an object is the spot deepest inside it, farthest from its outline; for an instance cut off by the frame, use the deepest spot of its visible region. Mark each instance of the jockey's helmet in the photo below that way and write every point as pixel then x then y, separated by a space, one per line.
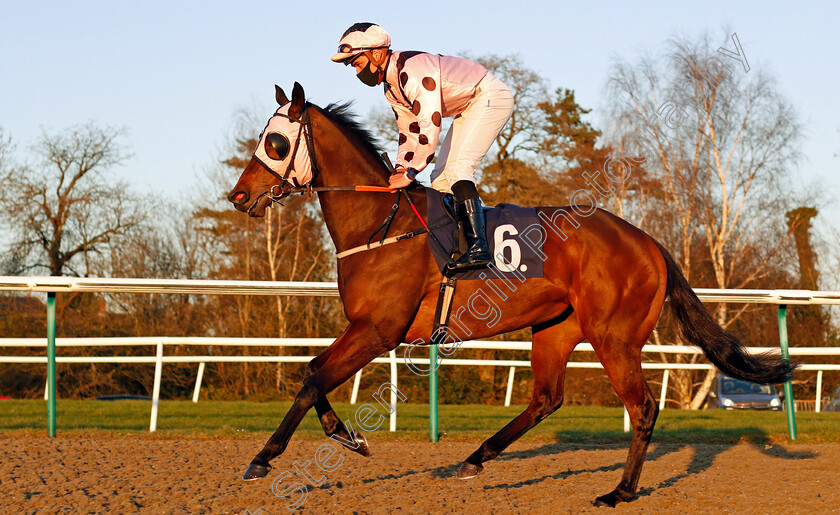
pixel 359 38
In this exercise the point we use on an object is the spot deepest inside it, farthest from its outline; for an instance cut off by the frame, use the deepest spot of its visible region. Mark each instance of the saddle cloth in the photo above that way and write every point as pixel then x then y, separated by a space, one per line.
pixel 505 226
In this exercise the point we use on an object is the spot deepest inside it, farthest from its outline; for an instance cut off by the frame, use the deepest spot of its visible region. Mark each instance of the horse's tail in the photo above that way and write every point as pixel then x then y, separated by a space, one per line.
pixel 723 349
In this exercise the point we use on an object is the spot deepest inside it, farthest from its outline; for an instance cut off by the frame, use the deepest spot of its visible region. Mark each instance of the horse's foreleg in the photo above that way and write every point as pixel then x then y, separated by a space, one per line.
pixel 329 419
pixel 552 345
pixel 334 428
pixel 358 345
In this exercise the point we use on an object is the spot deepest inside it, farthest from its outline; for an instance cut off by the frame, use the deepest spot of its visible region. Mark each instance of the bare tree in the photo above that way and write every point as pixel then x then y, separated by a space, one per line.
pixel 512 171
pixel 9 261
pixel 5 155
pixel 722 143
pixel 524 130
pixel 289 257
pixel 67 206
pixel 286 245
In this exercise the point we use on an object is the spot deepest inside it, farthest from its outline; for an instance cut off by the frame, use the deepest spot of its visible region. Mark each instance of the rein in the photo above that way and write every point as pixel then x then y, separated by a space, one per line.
pixel 285 192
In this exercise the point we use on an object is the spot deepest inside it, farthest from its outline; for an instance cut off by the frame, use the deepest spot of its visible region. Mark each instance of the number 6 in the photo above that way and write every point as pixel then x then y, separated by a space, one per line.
pixel 499 244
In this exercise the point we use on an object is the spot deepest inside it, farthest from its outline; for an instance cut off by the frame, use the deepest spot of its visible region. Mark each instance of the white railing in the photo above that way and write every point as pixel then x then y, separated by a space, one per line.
pixel 190 286
pixel 159 358
pixel 330 289
pixel 51 285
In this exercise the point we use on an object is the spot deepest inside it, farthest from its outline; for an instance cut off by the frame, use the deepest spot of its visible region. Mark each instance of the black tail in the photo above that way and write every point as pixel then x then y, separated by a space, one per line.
pixel 723 349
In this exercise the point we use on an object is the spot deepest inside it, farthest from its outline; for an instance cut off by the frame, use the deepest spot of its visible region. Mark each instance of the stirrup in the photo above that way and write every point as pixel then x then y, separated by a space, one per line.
pixel 465 264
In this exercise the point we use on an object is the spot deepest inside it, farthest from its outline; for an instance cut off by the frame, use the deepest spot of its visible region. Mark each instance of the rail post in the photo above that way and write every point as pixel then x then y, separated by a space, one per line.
pixel 819 391
pixel 433 393
pixel 356 382
pixel 783 343
pixel 393 422
pixel 156 390
pixel 663 395
pixel 509 391
pixel 51 364
pixel 198 378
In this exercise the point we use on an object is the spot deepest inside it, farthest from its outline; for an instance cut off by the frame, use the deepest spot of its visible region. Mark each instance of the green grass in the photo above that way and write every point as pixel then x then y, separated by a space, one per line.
pixel 219 419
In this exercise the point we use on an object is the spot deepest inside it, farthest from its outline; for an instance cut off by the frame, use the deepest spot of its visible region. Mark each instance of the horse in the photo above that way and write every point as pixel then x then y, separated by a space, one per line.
pixel 604 280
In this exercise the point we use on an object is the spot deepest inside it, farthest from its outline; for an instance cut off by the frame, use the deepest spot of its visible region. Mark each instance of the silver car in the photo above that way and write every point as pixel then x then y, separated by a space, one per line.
pixel 833 403
pixel 730 393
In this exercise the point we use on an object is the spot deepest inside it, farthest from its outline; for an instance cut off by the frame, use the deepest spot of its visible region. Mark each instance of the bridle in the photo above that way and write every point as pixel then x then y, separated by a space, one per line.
pixel 287 187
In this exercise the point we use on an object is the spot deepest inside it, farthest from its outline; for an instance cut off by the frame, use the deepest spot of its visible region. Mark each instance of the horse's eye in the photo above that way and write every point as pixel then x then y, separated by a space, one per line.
pixel 277 146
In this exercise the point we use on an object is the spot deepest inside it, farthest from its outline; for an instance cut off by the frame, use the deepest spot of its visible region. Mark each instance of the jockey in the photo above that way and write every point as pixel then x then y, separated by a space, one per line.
pixel 422 89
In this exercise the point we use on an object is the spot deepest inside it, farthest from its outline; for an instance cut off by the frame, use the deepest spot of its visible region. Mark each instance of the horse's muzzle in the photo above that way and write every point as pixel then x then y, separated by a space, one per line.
pixel 240 200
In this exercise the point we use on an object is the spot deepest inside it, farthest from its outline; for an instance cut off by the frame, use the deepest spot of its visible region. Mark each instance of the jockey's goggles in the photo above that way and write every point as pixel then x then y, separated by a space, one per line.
pixel 346 49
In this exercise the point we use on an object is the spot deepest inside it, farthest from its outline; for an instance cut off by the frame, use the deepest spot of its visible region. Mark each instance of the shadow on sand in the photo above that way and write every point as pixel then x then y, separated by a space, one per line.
pixel 700 461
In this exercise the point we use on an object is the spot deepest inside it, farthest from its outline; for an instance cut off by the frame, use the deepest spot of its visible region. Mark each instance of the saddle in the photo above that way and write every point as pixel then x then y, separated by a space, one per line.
pixel 511 232
pixel 513 239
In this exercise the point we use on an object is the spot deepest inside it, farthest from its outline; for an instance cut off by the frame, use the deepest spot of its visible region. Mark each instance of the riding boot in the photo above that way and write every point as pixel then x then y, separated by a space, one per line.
pixel 471 217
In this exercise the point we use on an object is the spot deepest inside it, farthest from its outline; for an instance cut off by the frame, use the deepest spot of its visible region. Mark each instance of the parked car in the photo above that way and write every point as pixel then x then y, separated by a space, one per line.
pixel 833 403
pixel 730 393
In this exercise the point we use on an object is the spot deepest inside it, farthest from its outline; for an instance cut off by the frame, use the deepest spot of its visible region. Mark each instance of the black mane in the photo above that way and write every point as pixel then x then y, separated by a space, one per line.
pixel 340 114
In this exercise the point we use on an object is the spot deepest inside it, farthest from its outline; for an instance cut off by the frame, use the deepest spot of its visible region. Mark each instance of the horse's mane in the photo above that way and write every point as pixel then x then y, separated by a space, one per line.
pixel 341 115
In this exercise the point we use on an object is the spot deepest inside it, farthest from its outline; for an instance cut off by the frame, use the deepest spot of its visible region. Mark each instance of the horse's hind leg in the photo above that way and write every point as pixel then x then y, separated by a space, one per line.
pixel 552 345
pixel 623 365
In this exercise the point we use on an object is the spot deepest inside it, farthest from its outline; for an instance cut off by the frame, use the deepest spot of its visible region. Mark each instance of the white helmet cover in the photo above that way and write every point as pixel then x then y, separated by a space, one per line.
pixel 360 38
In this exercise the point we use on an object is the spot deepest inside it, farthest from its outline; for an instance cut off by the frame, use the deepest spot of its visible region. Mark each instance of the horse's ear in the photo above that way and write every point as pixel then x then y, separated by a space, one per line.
pixel 298 100
pixel 280 95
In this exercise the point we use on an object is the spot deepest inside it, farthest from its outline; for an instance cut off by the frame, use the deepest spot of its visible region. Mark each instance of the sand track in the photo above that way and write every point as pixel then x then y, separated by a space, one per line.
pixel 73 474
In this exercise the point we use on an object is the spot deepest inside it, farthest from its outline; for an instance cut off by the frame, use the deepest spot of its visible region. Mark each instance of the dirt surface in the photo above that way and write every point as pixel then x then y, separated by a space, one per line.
pixel 130 474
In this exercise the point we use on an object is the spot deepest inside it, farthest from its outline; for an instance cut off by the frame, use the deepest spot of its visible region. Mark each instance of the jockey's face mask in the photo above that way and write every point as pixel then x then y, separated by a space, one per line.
pixel 369 75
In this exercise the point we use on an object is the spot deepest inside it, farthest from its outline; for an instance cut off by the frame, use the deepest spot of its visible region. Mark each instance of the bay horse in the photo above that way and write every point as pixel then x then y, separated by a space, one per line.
pixel 604 280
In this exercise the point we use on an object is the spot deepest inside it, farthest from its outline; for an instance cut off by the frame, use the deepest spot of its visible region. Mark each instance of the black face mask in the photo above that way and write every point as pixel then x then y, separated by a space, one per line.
pixel 368 76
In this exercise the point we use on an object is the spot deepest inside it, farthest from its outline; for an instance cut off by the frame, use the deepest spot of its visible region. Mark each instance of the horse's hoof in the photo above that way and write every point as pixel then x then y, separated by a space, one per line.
pixel 363 448
pixel 361 442
pixel 469 471
pixel 604 502
pixel 255 472
pixel 612 498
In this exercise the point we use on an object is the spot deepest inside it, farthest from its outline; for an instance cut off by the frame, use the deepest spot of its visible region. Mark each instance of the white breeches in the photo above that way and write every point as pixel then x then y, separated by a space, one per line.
pixel 472 133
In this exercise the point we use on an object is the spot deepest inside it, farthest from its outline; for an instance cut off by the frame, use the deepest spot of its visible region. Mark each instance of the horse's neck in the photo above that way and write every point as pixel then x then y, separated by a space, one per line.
pixel 351 217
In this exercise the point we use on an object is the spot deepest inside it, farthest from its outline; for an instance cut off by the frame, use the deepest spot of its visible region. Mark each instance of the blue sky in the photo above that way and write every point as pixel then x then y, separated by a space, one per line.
pixel 175 73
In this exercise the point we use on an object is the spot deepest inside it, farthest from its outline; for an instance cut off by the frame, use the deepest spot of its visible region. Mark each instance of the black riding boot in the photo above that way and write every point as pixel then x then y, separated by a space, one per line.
pixel 471 217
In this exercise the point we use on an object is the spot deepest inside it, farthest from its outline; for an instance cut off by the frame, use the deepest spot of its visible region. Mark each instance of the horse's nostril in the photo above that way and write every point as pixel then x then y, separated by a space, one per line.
pixel 238 197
